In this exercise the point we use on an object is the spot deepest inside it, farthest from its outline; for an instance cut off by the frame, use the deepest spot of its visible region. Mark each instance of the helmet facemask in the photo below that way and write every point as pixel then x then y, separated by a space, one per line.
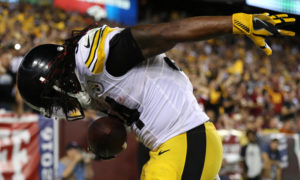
pixel 62 106
pixel 61 86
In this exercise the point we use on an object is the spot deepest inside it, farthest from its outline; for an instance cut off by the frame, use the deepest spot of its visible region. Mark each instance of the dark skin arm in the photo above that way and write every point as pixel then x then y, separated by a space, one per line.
pixel 154 39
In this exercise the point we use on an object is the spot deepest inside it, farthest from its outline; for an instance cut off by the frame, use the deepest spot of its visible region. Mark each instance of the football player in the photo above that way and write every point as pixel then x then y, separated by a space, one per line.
pixel 125 70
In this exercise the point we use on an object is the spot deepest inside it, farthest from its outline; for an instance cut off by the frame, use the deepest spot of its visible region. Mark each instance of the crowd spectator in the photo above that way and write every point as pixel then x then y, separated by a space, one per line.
pixel 7 81
pixel 74 165
pixel 271 159
pixel 236 83
pixel 251 158
pixel 10 98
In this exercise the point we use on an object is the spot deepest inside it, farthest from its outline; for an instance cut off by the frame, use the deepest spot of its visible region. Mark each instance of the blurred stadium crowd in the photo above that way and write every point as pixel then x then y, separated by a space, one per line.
pixel 241 88
pixel 237 85
pixel 23 26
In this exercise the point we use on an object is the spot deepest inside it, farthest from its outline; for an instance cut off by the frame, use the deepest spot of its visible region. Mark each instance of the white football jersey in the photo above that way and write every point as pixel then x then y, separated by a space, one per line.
pixel 162 95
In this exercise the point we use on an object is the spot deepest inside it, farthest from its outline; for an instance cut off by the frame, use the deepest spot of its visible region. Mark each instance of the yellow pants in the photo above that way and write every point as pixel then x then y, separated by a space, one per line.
pixel 196 154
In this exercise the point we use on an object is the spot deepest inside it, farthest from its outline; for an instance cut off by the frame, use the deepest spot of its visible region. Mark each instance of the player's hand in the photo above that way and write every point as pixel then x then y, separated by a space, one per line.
pixel 98 156
pixel 258 26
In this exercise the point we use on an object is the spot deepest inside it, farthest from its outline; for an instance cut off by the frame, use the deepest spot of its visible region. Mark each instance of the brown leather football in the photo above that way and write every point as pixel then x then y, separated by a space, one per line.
pixel 107 137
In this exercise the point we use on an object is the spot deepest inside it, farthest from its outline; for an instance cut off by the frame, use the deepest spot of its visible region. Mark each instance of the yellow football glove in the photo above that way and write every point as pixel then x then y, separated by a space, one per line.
pixel 259 26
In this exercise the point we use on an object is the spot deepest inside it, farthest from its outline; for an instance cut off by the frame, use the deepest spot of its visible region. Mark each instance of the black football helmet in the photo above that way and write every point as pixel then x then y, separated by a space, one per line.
pixel 48 83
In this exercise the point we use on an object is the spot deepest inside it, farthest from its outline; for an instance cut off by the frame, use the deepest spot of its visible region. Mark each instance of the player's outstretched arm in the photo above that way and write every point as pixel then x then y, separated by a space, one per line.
pixel 154 39
pixel 143 41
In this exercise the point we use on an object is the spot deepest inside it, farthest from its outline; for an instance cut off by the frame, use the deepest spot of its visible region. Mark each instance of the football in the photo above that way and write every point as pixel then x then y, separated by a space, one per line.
pixel 107 137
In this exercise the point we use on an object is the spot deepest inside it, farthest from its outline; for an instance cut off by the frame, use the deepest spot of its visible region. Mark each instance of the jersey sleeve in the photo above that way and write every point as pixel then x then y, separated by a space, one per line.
pixel 124 54
pixel 98 40
pixel 112 49
pixel 93 48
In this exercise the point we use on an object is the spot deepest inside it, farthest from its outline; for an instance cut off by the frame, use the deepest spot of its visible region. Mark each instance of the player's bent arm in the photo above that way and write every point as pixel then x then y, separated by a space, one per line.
pixel 154 39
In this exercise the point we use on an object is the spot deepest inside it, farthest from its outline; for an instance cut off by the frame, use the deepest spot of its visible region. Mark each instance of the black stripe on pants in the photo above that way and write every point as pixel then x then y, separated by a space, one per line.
pixel 195 156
